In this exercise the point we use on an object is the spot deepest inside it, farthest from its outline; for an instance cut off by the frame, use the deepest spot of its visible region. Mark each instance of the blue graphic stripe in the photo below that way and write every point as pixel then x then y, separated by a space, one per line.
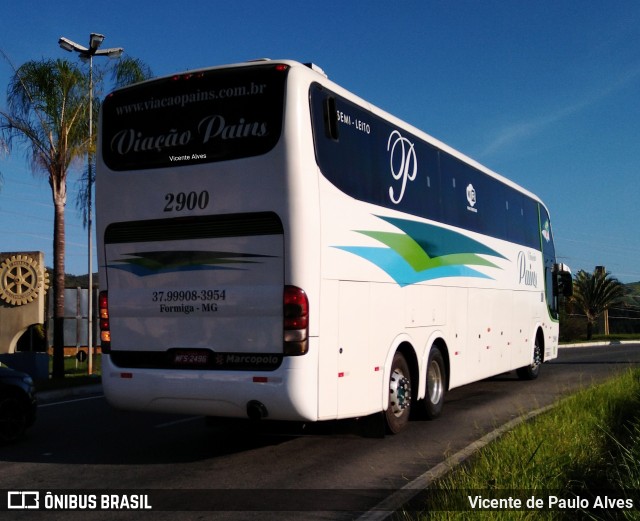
pixel 143 264
pixel 144 271
pixel 424 252
pixel 401 271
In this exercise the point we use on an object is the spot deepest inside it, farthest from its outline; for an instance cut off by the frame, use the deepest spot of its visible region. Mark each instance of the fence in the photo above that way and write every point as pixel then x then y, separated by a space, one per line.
pixel 75 319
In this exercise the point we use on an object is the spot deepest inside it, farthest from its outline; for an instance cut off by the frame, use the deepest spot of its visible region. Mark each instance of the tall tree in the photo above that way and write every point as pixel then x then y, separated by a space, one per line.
pixel 595 292
pixel 48 114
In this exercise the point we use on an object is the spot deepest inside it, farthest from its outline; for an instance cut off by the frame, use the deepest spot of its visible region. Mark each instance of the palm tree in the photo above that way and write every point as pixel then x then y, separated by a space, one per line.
pixel 594 293
pixel 48 113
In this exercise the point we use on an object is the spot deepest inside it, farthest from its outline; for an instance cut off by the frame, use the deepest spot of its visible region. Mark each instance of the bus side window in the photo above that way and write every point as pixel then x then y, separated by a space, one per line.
pixel 331 118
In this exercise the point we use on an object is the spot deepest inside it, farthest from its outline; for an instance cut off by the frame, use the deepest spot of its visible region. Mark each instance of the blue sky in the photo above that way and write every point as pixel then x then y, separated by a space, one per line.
pixel 545 92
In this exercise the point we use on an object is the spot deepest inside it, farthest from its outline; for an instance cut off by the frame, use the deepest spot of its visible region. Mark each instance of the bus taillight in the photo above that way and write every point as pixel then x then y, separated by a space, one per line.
pixel 105 331
pixel 296 321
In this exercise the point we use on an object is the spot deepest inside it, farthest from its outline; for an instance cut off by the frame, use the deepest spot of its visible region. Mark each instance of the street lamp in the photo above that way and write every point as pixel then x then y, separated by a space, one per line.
pixel 87 54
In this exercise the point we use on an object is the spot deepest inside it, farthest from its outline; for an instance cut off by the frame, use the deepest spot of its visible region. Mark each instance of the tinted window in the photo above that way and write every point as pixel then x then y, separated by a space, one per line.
pixel 549 254
pixel 474 200
pixel 374 161
pixel 194 118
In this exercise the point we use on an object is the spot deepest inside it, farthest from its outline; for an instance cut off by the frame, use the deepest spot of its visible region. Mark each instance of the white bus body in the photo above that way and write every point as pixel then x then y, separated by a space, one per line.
pixel 272 246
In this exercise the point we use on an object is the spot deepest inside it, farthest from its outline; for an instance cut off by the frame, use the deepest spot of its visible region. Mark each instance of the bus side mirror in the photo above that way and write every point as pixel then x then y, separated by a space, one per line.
pixel 564 281
pixel 566 284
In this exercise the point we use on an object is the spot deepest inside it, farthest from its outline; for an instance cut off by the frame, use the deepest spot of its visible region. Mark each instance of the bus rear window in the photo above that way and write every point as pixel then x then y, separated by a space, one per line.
pixel 191 118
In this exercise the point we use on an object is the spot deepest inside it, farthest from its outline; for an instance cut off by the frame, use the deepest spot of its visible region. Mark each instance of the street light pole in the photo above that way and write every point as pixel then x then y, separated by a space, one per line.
pixel 95 41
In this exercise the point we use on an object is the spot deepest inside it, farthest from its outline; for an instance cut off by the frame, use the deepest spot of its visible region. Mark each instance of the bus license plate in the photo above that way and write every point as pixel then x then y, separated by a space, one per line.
pixel 191 357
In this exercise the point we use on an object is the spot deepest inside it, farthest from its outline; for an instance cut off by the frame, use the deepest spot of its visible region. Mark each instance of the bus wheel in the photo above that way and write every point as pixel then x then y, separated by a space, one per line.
pixel 397 414
pixel 532 371
pixel 436 384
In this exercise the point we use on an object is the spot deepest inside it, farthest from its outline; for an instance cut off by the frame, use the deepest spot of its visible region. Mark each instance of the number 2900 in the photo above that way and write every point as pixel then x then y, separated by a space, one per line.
pixel 186 201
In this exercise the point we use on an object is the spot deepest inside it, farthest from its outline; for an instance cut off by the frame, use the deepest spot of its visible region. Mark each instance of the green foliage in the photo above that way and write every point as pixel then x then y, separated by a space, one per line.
pixel 587 443
pixel 76 374
pixel 595 292
pixel 49 113
pixel 47 116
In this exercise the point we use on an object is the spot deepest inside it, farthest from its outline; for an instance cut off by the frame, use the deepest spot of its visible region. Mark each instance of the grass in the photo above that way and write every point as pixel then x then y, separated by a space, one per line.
pixel 76 374
pixel 587 447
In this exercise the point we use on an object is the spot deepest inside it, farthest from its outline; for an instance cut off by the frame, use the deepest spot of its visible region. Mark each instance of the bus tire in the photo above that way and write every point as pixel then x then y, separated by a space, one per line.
pixel 397 414
pixel 531 372
pixel 436 384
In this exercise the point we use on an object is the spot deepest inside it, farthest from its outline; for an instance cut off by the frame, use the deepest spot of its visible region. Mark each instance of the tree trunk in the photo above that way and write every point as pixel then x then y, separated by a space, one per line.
pixel 58 284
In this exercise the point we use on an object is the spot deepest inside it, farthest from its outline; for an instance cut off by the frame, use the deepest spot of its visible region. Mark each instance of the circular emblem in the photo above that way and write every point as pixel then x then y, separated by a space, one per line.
pixel 471 195
pixel 21 280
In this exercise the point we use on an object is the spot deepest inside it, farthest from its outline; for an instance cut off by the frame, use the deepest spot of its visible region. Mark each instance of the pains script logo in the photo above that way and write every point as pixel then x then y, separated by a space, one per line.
pixel 402 161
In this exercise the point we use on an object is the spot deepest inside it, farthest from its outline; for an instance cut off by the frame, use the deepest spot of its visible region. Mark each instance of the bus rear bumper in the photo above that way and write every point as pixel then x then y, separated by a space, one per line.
pixel 233 394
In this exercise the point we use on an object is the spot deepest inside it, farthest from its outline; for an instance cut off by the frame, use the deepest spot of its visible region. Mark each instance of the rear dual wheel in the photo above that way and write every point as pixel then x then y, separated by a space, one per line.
pixel 436 384
pixel 400 392
pixel 397 414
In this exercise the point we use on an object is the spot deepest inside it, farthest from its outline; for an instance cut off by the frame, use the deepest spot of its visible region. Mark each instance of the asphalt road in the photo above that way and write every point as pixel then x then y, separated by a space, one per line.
pixel 82 445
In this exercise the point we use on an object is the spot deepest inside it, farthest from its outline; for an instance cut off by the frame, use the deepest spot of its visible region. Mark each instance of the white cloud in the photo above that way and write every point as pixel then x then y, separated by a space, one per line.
pixel 518 132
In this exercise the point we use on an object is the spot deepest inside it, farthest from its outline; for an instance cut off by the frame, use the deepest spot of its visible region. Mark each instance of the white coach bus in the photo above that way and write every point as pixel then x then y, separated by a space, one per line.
pixel 272 246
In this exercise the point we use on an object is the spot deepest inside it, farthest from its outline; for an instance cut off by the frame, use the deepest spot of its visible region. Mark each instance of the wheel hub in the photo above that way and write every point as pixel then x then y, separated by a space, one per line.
pixel 435 386
pixel 400 392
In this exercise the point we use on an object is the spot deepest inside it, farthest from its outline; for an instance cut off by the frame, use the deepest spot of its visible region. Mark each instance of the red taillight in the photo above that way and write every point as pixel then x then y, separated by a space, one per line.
pixel 105 332
pixel 296 321
pixel 296 308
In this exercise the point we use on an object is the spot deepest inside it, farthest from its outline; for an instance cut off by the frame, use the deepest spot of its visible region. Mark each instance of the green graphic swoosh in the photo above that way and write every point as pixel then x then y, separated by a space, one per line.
pixel 425 252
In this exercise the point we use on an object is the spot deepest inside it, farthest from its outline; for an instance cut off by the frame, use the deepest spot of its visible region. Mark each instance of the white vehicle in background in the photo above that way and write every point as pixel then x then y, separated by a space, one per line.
pixel 272 246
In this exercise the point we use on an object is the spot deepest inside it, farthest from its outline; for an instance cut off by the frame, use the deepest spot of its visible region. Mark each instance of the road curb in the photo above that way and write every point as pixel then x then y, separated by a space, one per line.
pixel 68 392
pixel 395 501
pixel 609 343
